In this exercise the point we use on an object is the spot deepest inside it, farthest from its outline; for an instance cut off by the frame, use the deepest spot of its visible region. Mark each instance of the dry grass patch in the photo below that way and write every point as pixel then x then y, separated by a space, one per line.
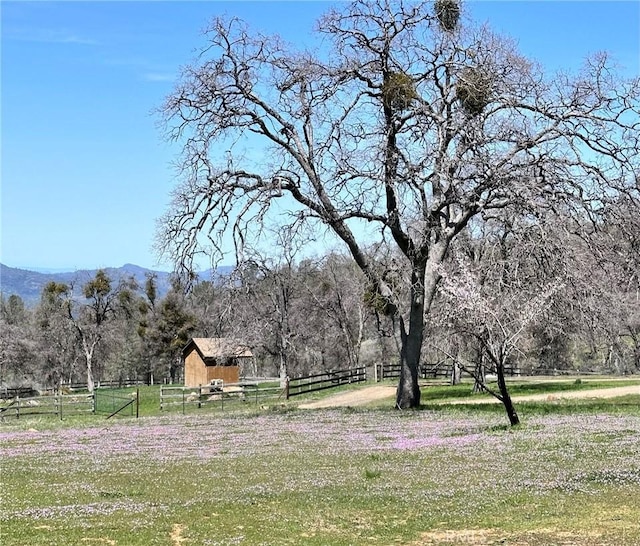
pixel 474 537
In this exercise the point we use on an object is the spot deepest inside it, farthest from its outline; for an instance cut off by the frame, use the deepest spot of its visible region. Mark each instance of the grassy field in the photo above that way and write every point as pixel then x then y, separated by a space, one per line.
pixel 447 475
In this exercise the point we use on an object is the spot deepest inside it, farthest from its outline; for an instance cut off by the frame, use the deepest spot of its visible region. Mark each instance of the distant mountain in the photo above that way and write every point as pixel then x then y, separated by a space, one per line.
pixel 29 284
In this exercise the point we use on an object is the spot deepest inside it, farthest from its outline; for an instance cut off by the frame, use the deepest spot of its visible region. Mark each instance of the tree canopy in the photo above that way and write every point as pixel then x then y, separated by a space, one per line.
pixel 411 121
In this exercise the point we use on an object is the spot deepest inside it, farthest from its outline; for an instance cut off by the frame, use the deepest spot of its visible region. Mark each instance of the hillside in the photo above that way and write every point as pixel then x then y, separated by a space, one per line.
pixel 29 284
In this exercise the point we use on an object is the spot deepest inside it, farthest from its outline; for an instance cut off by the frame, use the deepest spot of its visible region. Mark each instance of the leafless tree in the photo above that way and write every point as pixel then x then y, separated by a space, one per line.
pixel 18 351
pixel 334 290
pixel 271 290
pixel 89 321
pixel 606 284
pixel 496 302
pixel 56 337
pixel 408 125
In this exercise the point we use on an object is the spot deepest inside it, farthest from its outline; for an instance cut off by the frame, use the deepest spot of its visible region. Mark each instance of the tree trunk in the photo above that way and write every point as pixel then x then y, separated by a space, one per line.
pixel 408 392
pixel 283 368
pixel 174 368
pixel 88 348
pixel 424 281
pixel 456 372
pixel 504 393
pixel 90 381
pixel 480 370
pixel 352 358
pixel 354 345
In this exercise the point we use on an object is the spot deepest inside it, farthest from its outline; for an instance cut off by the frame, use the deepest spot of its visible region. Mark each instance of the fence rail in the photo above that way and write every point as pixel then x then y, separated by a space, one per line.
pixel 428 371
pixel 20 392
pixel 219 395
pixel 327 380
pixel 555 371
pixel 59 404
pixel 110 384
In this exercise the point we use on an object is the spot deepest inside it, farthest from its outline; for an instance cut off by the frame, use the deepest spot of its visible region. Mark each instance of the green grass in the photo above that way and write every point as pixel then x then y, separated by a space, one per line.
pixel 623 405
pixel 519 387
pixel 448 474
pixel 433 395
pixel 149 402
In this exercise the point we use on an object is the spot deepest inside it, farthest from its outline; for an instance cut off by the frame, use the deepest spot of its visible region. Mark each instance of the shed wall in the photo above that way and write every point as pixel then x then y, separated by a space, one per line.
pixel 229 374
pixel 195 372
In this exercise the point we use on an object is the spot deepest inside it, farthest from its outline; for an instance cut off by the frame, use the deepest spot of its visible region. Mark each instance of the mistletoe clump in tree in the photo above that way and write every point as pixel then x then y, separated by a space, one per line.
pixel 412 123
pixel 448 13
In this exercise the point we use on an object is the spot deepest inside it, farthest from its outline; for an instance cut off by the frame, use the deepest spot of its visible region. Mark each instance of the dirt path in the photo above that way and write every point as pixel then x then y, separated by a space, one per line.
pixel 609 392
pixel 359 397
pixel 362 397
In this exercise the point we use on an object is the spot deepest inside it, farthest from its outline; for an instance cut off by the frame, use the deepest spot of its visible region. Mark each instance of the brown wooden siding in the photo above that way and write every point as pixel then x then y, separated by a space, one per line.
pixel 197 373
pixel 229 374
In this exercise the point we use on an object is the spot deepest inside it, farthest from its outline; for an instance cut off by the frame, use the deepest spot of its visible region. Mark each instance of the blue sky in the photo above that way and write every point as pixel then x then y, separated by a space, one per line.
pixel 85 171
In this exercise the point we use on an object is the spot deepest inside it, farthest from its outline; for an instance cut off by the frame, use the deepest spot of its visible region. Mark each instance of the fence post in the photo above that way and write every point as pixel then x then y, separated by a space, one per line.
pixel 137 402
pixel 286 388
pixel 58 398
pixel 17 407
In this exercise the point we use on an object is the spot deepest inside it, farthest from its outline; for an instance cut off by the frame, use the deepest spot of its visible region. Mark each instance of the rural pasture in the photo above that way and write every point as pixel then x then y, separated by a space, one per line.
pixel 569 475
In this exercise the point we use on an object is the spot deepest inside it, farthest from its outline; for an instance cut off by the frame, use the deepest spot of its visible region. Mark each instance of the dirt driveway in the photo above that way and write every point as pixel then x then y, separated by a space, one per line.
pixel 359 397
pixel 362 397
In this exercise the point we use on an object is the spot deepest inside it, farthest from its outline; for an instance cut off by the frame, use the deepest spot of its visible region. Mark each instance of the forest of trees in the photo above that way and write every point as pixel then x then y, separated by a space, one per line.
pixel 539 296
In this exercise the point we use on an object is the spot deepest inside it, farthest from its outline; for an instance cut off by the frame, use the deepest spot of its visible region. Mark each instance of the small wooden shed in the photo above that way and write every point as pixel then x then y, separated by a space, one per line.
pixel 209 358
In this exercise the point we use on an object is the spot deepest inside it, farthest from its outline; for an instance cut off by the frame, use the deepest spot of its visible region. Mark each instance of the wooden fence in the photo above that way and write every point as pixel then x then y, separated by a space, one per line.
pixel 7 393
pixel 109 384
pixel 327 380
pixel 219 395
pixel 60 405
pixel 392 371
pixel 428 371
pixel 20 392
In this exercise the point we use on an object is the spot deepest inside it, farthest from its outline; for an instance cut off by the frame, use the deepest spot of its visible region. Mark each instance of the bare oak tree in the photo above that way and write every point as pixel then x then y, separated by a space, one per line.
pixel 269 286
pixel 336 294
pixel 406 121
